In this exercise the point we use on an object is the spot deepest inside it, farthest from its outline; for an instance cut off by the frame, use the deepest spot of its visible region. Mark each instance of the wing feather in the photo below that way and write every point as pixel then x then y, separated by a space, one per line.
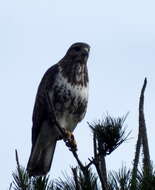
pixel 40 111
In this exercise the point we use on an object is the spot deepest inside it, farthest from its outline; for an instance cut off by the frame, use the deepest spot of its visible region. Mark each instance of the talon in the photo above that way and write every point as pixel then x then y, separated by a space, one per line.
pixel 66 133
pixel 70 140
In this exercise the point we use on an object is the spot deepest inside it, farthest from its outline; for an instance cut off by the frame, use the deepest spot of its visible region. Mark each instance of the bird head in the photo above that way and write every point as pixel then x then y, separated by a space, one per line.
pixel 78 52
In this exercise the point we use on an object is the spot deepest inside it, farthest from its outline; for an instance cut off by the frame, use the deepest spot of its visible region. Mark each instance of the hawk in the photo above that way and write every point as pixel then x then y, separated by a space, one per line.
pixel 66 84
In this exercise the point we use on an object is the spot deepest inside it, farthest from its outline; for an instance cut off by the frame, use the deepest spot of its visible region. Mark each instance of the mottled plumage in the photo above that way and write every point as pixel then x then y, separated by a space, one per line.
pixel 67 86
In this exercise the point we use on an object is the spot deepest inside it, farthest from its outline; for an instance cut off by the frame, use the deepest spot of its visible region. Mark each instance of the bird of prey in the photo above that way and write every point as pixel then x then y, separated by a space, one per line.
pixel 66 84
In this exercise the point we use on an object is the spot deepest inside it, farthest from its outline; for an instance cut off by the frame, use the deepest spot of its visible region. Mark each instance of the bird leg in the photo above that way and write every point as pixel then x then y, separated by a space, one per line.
pixel 66 135
pixel 70 140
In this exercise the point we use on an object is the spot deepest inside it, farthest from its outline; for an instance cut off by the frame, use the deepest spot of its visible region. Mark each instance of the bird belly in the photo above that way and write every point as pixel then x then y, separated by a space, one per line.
pixel 70 103
pixel 67 121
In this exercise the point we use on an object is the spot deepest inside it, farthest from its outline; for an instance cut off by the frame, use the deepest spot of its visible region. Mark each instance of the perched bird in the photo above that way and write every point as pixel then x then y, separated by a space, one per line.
pixel 66 84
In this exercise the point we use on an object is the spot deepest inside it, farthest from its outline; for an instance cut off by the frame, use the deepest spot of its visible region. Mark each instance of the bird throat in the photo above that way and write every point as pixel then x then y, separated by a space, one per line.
pixel 76 73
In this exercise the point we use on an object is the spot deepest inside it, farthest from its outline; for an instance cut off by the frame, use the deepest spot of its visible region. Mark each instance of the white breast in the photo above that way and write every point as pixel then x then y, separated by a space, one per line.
pixel 66 119
pixel 77 90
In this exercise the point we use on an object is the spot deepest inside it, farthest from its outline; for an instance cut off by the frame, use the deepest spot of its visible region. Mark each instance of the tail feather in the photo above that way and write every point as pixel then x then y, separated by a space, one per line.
pixel 42 153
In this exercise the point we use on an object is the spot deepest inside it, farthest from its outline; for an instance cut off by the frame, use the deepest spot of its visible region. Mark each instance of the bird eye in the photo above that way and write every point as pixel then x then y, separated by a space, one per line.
pixel 77 48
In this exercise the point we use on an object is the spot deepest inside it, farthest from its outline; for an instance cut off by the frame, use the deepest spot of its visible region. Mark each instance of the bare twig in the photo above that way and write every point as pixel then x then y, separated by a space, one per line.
pixel 96 155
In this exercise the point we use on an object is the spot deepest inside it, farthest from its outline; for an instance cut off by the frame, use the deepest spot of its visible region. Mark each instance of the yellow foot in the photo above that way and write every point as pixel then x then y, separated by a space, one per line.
pixel 70 140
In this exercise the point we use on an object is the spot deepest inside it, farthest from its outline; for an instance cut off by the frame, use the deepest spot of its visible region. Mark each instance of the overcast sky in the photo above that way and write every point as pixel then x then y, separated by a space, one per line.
pixel 35 34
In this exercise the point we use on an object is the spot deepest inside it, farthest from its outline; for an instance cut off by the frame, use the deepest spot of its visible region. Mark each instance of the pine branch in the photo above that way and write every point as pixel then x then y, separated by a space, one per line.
pixel 108 134
pixel 21 179
pixel 119 180
pixel 75 175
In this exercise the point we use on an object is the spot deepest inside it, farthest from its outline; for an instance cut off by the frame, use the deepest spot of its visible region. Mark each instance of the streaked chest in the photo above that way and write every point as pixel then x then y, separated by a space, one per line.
pixel 70 102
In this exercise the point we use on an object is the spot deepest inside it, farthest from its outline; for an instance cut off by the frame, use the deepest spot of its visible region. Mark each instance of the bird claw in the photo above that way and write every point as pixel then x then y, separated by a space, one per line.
pixel 70 140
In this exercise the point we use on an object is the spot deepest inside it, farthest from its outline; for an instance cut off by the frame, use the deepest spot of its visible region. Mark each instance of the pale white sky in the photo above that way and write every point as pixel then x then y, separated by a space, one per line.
pixel 36 34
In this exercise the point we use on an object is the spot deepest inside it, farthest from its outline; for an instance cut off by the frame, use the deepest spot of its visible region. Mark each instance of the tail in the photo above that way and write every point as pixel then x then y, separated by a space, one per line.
pixel 42 152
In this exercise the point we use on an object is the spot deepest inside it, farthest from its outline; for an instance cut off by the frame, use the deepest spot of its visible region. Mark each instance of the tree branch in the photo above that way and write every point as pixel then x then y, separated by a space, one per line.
pixel 142 140
pixel 142 126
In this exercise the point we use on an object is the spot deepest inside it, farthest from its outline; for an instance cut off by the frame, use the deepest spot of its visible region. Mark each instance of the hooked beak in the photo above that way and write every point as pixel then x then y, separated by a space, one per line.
pixel 85 51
